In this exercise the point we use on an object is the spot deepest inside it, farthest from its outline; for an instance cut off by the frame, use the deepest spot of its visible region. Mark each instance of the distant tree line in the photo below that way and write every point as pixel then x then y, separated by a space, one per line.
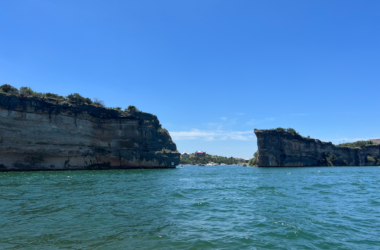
pixel 195 159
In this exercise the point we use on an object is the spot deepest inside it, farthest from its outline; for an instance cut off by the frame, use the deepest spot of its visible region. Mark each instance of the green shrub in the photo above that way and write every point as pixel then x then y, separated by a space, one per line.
pixel 78 99
pixel 54 96
pixel 370 159
pixel 291 130
pixel 73 98
pixel 6 88
pixel 99 103
pixel 2 166
pixel 253 161
pixel 163 130
pixel 164 150
pixel 357 144
pixel 131 109
pixel 27 91
pixel 118 109
pixel 88 101
pixel 329 159
pixel 40 95
pixel 378 162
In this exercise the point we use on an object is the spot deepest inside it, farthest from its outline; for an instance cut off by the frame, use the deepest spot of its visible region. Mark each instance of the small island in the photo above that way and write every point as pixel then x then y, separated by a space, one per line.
pixel 45 131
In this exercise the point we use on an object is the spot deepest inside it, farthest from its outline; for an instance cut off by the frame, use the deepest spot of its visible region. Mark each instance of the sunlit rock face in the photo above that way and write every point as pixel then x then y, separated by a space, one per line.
pixel 283 149
pixel 39 134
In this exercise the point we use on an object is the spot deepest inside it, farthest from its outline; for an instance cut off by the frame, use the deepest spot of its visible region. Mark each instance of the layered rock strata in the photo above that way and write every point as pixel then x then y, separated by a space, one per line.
pixel 284 149
pixel 40 134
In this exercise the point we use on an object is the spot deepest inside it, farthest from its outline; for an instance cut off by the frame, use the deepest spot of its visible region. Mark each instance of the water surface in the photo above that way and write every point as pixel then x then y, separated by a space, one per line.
pixel 218 207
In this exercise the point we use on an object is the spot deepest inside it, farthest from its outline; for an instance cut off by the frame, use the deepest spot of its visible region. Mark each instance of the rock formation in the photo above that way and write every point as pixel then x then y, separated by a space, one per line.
pixel 42 134
pixel 279 148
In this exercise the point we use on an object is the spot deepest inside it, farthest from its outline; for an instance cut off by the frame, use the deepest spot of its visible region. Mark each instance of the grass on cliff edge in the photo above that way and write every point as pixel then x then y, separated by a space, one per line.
pixel 72 99
pixel 288 130
pixel 357 144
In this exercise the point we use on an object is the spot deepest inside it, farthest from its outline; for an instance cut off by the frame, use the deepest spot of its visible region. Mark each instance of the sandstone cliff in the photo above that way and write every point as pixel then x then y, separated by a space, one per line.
pixel 278 148
pixel 41 134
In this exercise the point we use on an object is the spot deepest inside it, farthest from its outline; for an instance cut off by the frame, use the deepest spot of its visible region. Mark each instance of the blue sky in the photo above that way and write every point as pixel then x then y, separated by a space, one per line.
pixel 212 71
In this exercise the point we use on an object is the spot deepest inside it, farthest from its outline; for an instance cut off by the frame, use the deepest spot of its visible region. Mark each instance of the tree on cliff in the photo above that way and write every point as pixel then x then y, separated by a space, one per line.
pixel 98 102
pixel 131 109
pixel 78 99
pixel 75 98
pixel 55 96
pixel 289 130
pixel 6 88
pixel 253 161
pixel 27 91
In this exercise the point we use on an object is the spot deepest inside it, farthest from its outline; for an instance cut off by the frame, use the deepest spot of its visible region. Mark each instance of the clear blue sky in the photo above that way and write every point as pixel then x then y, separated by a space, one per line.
pixel 212 71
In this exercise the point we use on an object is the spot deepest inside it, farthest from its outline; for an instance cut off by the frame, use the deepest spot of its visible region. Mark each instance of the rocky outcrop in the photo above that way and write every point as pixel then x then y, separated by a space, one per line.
pixel 40 134
pixel 278 148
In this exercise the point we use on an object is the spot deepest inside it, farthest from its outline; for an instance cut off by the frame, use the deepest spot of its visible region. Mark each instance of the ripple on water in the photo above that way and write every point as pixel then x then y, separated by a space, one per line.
pixel 217 207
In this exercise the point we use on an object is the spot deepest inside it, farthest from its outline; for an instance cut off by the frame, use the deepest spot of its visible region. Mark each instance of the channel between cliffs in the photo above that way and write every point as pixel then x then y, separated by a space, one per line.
pixel 39 134
pixel 278 148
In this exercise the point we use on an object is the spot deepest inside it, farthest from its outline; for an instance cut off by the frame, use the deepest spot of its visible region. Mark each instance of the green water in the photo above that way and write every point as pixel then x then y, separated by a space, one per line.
pixel 219 207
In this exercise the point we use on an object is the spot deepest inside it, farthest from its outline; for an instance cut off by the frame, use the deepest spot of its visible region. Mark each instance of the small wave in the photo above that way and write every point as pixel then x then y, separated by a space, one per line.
pixel 266 188
pixel 177 194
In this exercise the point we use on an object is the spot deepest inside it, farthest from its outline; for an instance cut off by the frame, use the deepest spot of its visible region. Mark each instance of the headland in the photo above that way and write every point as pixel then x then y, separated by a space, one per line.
pixel 51 132
pixel 287 148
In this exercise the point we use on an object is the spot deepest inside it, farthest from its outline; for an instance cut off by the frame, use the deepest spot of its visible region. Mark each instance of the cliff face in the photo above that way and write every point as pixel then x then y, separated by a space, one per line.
pixel 283 149
pixel 39 134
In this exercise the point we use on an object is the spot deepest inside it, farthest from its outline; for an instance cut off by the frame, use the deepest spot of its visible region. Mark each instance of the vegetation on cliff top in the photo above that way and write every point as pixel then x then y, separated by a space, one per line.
pixel 291 131
pixel 357 144
pixel 280 129
pixel 288 130
pixel 72 99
